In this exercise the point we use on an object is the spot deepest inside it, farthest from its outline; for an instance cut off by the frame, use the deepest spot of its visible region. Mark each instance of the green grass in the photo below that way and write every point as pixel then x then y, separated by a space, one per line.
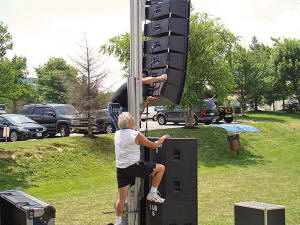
pixel 77 175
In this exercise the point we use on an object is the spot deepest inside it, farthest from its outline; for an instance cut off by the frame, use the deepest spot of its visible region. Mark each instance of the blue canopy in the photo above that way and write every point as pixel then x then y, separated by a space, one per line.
pixel 235 128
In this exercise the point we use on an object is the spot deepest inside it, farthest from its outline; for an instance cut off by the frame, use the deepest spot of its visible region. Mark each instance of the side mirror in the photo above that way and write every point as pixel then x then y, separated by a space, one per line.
pixel 51 114
pixel 5 124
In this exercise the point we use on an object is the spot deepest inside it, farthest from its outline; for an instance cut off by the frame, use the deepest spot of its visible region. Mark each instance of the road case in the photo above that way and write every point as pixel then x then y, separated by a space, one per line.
pixel 19 208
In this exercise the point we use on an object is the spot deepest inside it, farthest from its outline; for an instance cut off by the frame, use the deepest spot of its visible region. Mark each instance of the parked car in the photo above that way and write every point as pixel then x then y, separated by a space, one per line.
pixel 58 118
pixel 152 114
pixel 102 122
pixel 228 113
pixel 2 108
pixel 177 116
pixel 21 127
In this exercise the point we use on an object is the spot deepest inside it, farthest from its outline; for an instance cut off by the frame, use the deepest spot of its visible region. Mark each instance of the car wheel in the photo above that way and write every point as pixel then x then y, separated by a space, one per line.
pixel 228 120
pixel 154 118
pixel 161 120
pixel 109 129
pixel 13 136
pixel 207 122
pixel 64 130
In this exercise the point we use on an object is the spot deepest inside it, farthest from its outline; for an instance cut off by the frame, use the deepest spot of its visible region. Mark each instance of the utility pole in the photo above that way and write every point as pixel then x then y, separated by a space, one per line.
pixel 135 92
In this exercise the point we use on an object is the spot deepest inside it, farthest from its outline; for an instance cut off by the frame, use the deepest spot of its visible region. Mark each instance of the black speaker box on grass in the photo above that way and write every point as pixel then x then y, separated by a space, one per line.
pixel 172 213
pixel 19 208
pixel 257 213
pixel 180 159
pixel 178 185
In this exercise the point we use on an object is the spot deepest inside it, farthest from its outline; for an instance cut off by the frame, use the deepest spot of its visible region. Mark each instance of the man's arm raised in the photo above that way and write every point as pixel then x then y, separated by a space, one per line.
pixel 150 80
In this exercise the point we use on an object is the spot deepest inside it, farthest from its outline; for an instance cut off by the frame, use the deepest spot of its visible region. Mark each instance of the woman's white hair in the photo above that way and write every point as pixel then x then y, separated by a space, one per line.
pixel 124 120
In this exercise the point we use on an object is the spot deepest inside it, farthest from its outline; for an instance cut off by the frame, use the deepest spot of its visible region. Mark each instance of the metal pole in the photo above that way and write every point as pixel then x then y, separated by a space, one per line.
pixel 135 92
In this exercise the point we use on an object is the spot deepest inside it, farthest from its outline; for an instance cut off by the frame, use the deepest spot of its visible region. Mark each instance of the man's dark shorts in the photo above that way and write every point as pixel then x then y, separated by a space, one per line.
pixel 127 175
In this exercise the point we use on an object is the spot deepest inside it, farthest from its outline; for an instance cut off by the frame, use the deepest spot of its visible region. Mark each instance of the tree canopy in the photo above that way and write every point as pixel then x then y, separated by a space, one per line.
pixel 5 40
pixel 52 77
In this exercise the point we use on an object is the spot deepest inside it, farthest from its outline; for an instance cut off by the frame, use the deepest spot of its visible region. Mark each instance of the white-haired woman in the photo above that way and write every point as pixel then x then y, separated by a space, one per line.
pixel 129 166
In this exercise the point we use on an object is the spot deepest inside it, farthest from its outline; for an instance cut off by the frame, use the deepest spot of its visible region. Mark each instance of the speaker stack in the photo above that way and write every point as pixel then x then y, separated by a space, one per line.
pixel 178 185
pixel 166 50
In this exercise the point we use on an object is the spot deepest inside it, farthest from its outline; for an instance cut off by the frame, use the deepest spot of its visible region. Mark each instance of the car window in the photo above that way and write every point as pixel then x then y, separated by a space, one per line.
pixel 48 110
pixel 26 110
pixel 18 119
pixel 38 111
pixel 66 110
pixel 2 120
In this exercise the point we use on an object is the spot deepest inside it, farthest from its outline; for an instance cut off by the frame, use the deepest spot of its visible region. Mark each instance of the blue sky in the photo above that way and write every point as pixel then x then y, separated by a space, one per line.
pixel 44 28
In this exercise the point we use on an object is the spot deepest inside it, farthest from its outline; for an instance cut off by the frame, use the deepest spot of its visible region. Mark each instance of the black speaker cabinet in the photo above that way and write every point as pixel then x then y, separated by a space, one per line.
pixel 175 77
pixel 168 91
pixel 160 28
pixel 162 60
pixel 163 10
pixel 180 159
pixel 257 213
pixel 172 213
pixel 169 43
pixel 19 208
pixel 178 185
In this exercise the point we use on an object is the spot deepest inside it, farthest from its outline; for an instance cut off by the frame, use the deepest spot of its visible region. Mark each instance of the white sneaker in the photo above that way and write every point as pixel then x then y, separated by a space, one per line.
pixel 154 197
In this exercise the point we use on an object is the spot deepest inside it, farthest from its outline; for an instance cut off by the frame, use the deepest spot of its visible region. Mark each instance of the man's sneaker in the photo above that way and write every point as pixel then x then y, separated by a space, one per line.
pixel 154 197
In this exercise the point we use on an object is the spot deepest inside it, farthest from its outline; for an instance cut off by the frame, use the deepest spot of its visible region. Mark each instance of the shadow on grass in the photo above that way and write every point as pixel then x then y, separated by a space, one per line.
pixel 213 147
pixel 10 175
pixel 263 119
pixel 282 114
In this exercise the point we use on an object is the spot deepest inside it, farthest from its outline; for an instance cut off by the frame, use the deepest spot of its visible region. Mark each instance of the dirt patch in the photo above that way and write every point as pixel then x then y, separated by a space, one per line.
pixel 7 155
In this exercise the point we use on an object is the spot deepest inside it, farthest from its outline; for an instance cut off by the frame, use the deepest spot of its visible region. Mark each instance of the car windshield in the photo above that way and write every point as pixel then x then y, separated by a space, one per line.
pixel 65 110
pixel 17 119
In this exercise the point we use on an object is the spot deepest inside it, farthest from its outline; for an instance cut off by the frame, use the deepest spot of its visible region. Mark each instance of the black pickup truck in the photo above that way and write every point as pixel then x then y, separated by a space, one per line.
pixel 58 118
pixel 177 116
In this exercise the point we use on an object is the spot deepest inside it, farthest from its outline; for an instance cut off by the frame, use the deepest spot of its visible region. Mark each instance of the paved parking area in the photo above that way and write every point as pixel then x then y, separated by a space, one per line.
pixel 153 125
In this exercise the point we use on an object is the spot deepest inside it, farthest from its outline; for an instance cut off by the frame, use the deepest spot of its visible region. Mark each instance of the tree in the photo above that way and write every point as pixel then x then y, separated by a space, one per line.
pixel 52 77
pixel 12 87
pixel 287 63
pixel 88 84
pixel 211 47
pixel 261 72
pixel 5 40
pixel 241 68
pixel 119 46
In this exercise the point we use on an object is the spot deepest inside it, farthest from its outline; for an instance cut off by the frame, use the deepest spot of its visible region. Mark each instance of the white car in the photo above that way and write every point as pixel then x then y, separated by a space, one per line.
pixel 152 114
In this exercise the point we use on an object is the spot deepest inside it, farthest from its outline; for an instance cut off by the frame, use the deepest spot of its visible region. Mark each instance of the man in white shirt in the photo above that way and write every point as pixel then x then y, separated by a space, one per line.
pixel 127 149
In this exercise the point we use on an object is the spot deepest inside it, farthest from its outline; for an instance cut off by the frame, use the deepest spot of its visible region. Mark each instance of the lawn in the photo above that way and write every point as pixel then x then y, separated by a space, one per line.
pixel 77 175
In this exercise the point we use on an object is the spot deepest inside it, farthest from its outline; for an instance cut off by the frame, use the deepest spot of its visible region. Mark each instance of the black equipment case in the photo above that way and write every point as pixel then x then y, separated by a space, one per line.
pixel 19 208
